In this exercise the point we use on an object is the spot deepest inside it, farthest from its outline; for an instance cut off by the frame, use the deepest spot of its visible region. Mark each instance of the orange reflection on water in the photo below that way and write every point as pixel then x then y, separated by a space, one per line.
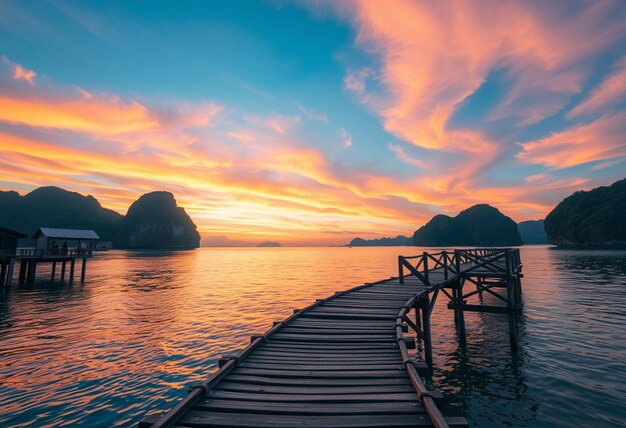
pixel 148 324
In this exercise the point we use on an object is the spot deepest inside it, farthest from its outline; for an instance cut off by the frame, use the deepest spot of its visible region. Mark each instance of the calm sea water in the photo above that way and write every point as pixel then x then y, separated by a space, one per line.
pixel 148 324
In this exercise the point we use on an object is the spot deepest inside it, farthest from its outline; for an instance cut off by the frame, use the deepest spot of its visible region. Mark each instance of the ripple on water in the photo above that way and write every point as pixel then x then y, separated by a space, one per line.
pixel 148 324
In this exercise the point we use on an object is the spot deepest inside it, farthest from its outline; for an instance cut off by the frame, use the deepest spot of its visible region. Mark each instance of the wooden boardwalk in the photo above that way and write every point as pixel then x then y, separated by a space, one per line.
pixel 347 360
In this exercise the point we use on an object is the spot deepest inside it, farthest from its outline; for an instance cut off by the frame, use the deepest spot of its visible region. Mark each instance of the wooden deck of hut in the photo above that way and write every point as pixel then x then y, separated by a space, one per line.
pixel 47 251
pixel 349 360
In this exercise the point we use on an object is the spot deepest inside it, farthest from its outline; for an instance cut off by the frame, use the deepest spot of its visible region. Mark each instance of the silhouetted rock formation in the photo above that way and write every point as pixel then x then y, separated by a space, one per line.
pixel 55 207
pixel 381 242
pixel 595 217
pixel 269 244
pixel 480 225
pixel 532 232
pixel 155 221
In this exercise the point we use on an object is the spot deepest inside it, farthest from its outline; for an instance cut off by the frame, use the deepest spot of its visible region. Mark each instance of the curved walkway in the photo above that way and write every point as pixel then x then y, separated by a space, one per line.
pixel 340 362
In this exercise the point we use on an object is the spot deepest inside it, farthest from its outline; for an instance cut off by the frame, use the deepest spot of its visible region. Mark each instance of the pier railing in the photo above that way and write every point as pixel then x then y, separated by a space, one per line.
pixel 452 263
pixel 54 252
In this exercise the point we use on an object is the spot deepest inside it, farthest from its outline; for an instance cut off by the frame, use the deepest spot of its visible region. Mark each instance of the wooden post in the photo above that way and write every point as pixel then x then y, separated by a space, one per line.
pixel 3 272
pixel 400 270
pixel 63 271
pixel 54 271
pixel 428 347
pixel 32 269
pixel 461 316
pixel 22 276
pixel 9 279
pixel 480 290
pixel 510 301
pixel 454 300
pixel 72 266
pixel 83 270
pixel 425 258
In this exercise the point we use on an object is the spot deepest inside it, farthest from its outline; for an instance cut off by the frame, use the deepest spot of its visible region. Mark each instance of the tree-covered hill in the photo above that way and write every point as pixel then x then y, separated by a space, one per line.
pixel 595 217
pixel 480 225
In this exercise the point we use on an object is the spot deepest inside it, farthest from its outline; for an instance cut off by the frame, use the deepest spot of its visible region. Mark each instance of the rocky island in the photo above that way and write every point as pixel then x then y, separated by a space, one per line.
pixel 153 221
pixel 269 244
pixel 398 241
pixel 595 217
pixel 480 225
pixel 55 207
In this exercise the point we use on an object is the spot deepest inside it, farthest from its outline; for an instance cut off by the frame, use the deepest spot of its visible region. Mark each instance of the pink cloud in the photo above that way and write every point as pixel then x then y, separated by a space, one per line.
pixel 20 73
pixel 434 56
pixel 404 157
pixel 611 91
pixel 602 139
pixel 278 123
pixel 355 81
pixel 345 138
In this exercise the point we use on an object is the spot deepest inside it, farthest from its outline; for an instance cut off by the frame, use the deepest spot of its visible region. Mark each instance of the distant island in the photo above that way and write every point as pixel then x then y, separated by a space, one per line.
pixel 269 244
pixel 595 217
pixel 480 225
pixel 153 221
pixel 381 242
pixel 532 232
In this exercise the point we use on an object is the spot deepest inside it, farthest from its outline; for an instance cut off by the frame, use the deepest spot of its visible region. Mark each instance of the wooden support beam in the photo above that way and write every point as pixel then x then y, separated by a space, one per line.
pixel 72 266
pixel 3 272
pixel 487 309
pixel 510 293
pixel 459 312
pixel 63 271
pixel 428 346
pixel 54 271
pixel 83 270
pixel 22 275
pixel 32 270
pixel 9 278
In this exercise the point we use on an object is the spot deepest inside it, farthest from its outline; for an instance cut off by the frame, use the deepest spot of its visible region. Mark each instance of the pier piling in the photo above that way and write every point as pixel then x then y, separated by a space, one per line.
pixel 72 266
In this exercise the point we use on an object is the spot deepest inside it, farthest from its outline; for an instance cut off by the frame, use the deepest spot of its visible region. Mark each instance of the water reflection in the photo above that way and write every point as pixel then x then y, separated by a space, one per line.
pixel 146 325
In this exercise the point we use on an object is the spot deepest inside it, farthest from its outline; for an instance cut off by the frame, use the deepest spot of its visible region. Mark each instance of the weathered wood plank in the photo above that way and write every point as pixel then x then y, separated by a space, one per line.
pixel 320 358
pixel 268 380
pixel 331 338
pixel 332 374
pixel 376 390
pixel 371 397
pixel 313 409
pixel 245 420
pixel 320 367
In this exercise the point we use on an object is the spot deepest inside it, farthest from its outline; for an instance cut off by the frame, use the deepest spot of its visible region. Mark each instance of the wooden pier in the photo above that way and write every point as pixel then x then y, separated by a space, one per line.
pixel 356 358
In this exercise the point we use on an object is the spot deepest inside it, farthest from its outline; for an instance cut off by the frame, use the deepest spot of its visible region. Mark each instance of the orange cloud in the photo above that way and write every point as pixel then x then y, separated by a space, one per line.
pixel 602 139
pixel 101 115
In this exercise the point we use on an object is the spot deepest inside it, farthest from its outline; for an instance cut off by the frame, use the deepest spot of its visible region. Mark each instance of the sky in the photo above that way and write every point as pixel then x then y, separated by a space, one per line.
pixel 310 123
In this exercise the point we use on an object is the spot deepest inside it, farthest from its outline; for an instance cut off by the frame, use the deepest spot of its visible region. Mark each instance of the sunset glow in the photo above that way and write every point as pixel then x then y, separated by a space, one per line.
pixel 311 123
